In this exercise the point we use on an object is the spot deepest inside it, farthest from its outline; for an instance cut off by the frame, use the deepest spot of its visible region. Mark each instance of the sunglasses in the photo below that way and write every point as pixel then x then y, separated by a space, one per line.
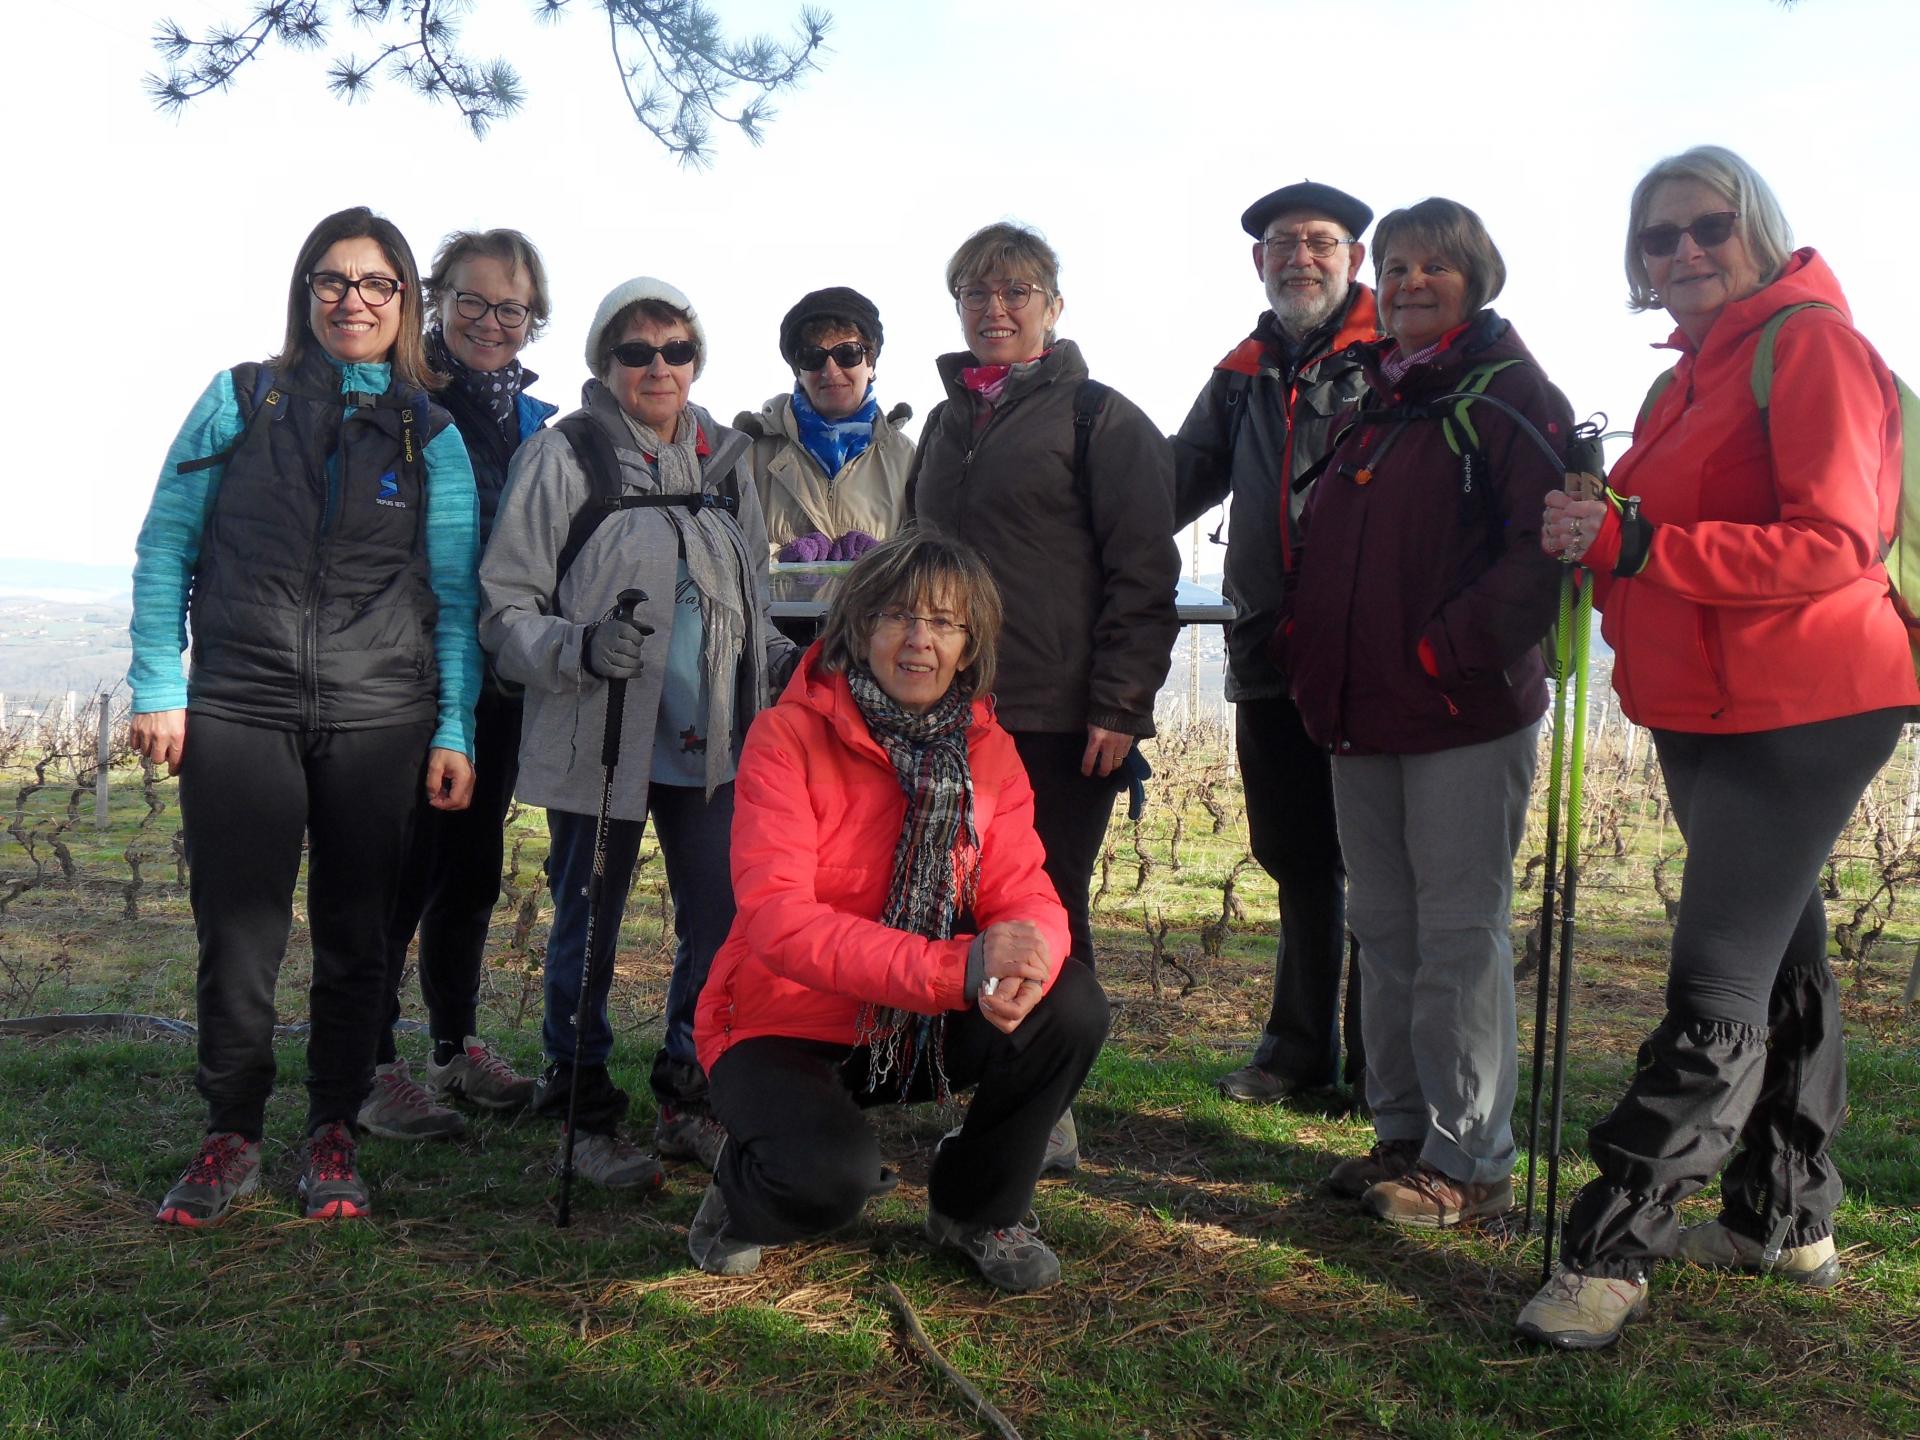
pixel 847 354
pixel 1660 241
pixel 638 354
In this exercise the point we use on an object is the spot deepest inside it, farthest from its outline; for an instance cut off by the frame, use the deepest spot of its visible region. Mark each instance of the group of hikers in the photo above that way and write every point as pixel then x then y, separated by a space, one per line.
pixel 412 598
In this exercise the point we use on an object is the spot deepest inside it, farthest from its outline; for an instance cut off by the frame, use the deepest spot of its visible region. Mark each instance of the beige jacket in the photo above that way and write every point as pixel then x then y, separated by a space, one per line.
pixel 868 494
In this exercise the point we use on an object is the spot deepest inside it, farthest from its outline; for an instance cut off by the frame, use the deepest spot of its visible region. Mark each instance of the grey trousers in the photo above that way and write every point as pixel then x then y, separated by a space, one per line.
pixel 1429 842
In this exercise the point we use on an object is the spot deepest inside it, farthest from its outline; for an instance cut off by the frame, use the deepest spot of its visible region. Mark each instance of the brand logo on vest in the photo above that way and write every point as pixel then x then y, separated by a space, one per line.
pixel 390 491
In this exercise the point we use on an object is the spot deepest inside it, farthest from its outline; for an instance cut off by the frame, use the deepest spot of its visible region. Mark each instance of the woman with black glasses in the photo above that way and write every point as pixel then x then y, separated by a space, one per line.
pixel 1739 568
pixel 489 293
pixel 637 489
pixel 319 512
pixel 832 468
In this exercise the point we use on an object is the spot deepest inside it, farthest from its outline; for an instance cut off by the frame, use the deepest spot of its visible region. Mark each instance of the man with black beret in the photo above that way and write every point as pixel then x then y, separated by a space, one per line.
pixel 1266 416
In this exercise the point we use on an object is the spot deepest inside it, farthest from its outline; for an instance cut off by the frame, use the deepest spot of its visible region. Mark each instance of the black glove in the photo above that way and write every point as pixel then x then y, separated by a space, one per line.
pixel 612 648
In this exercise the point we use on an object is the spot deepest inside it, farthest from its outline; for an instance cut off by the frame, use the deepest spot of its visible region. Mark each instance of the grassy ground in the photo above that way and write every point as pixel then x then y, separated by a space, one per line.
pixel 1212 1288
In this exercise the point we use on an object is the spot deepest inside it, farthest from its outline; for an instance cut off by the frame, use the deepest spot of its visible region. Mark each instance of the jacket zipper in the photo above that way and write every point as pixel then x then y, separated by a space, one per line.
pixel 310 613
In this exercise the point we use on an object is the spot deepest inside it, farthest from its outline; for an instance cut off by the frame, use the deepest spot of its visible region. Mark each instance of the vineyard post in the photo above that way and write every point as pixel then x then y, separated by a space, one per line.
pixel 102 748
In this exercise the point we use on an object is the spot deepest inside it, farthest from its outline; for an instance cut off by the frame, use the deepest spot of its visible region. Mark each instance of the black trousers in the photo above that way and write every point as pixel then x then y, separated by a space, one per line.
pixel 1290 822
pixel 450 883
pixel 1070 815
pixel 248 797
pixel 1749 1061
pixel 800 1160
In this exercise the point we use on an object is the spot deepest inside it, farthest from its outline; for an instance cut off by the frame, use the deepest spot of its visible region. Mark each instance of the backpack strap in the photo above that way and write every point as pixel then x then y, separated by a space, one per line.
pixel 605 496
pixel 1089 399
pixel 1654 392
pixel 1762 377
pixel 258 393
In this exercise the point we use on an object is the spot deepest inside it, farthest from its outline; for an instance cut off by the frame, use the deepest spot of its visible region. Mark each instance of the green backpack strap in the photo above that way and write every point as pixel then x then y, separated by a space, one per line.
pixel 1762 376
pixel 1654 392
pixel 1474 382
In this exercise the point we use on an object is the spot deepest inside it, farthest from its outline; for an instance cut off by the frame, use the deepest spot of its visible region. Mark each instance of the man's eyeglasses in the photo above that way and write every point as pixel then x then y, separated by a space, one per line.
pixel 1014 296
pixel 1318 246
pixel 330 288
pixel 1659 241
pixel 900 622
pixel 510 313
pixel 638 354
pixel 846 355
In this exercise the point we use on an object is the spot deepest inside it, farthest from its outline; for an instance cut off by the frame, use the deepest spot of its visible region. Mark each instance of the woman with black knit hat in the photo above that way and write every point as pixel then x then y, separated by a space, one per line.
pixel 832 469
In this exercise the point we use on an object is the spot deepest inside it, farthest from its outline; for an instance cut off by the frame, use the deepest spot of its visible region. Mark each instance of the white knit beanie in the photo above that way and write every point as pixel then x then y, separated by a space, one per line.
pixel 644 287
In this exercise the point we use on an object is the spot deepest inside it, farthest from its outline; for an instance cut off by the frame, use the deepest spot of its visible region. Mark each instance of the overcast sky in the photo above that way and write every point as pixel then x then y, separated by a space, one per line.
pixel 148 252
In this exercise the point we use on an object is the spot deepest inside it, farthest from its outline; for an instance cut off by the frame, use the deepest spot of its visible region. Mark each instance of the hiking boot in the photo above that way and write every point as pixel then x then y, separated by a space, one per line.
pixel 1063 1147
pixel 1581 1312
pixel 476 1073
pixel 226 1169
pixel 600 1106
pixel 330 1184
pixel 610 1162
pixel 1424 1199
pixel 399 1108
pixel 709 1245
pixel 1011 1257
pixel 1814 1264
pixel 1256 1085
pixel 1387 1160
pixel 681 1134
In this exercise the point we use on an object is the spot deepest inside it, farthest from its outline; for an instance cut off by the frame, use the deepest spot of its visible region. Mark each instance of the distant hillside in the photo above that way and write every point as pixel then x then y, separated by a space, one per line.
pixel 60 580
pixel 48 647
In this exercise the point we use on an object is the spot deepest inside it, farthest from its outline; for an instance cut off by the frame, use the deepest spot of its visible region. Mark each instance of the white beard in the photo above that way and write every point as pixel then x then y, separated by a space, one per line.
pixel 1301 312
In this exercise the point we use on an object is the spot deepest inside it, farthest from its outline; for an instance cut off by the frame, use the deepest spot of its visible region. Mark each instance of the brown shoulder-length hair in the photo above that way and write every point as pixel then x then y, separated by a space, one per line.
pixel 409 354
pixel 1448 228
pixel 511 249
pixel 905 572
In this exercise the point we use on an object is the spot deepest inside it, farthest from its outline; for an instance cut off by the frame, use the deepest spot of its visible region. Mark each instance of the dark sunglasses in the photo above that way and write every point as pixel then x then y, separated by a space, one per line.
pixel 847 354
pixel 638 354
pixel 1660 241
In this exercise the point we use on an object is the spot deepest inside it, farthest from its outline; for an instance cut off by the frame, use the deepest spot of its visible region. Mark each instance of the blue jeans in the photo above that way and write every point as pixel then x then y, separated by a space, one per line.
pixel 694 838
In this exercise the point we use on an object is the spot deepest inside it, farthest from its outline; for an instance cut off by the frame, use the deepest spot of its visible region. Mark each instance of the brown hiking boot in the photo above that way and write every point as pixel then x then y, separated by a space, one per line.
pixel 1387 1160
pixel 1581 1312
pixel 1424 1199
pixel 1814 1264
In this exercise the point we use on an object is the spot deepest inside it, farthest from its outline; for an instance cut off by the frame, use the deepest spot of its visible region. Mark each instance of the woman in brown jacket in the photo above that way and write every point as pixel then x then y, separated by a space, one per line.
pixel 1085 561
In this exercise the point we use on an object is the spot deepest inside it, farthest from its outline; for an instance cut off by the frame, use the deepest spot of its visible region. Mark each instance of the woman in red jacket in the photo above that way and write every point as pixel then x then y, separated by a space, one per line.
pixel 896 936
pixel 1753 631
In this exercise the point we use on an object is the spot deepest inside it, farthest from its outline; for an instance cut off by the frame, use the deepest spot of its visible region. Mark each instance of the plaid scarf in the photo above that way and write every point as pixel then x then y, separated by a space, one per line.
pixel 936 864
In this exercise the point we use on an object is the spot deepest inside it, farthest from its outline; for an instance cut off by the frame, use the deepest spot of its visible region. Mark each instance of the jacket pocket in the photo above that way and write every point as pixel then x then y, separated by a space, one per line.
pixel 1713 657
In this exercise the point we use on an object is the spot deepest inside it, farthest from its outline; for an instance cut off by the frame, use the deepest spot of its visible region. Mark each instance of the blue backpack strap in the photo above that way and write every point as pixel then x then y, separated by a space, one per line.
pixel 258 394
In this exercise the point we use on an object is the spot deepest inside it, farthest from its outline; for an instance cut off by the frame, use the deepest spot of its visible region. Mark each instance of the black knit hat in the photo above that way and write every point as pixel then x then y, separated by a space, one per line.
pixel 1336 205
pixel 837 301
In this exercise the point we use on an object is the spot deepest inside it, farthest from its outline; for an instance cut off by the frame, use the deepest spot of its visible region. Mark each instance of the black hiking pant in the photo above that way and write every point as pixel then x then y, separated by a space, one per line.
pixel 249 796
pixel 1291 828
pixel 800 1159
pixel 451 882
pixel 1749 1061
pixel 1070 815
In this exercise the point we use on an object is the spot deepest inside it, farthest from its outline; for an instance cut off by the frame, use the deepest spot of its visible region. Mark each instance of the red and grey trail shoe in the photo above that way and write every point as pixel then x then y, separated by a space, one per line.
pixel 226 1169
pixel 330 1183
pixel 398 1107
pixel 682 1134
pixel 477 1074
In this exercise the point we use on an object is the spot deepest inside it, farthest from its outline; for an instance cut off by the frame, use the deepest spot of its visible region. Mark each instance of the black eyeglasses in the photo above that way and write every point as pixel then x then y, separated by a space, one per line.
pixel 1318 246
pixel 638 354
pixel 1660 241
pixel 330 288
pixel 1014 296
pixel 510 313
pixel 847 354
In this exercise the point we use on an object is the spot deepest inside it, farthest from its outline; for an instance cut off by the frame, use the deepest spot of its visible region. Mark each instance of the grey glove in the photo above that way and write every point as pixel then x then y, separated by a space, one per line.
pixel 612 648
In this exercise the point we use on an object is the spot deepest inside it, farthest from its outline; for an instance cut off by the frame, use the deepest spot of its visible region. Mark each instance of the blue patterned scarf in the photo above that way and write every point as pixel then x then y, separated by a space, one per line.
pixel 834 442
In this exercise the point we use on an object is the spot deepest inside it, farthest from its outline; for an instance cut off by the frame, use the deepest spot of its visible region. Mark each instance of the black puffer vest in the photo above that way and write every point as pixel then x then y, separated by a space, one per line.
pixel 312 606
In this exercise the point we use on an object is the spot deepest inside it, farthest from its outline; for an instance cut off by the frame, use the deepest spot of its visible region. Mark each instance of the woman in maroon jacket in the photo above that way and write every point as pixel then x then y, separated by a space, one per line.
pixel 896 935
pixel 1753 631
pixel 1412 646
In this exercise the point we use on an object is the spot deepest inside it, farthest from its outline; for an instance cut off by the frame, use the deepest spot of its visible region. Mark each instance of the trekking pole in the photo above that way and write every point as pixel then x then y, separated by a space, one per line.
pixel 596 892
pixel 1549 886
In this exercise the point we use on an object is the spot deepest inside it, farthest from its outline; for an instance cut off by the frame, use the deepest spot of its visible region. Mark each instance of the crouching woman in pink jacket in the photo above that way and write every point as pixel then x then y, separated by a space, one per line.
pixel 896 936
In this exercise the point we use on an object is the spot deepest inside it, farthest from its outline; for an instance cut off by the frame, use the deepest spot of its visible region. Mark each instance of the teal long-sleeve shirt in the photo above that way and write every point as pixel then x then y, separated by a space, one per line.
pixel 169 549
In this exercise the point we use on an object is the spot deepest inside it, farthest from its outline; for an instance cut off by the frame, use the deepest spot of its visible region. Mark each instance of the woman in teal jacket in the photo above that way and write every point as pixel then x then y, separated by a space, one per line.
pixel 319 510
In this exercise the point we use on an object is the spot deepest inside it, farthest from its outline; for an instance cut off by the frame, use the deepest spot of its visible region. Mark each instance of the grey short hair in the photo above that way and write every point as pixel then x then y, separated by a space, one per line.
pixel 1762 224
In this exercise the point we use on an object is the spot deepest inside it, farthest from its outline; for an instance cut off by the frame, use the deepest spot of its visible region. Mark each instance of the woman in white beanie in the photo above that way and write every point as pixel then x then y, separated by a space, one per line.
pixel 637 489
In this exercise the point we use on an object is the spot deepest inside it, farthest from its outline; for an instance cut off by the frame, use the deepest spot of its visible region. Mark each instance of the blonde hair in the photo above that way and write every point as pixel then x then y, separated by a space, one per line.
pixel 1762 224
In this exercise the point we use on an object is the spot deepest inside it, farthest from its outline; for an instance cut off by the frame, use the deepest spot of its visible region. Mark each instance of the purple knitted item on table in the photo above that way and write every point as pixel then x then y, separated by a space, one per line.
pixel 806 548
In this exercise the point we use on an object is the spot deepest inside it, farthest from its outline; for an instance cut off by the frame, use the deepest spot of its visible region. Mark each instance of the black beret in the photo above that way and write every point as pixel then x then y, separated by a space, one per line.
pixel 1307 195
pixel 836 300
